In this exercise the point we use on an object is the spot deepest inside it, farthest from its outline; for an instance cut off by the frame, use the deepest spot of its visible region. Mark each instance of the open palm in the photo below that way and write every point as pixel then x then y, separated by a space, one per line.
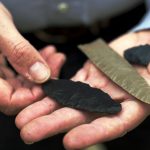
pixel 46 118
pixel 16 92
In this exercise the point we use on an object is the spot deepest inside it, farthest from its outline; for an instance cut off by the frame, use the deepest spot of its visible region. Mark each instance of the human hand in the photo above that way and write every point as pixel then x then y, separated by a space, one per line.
pixel 16 92
pixel 37 122
pixel 19 52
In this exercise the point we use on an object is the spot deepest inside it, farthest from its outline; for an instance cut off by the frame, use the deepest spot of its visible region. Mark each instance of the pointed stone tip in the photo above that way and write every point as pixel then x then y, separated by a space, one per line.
pixel 115 109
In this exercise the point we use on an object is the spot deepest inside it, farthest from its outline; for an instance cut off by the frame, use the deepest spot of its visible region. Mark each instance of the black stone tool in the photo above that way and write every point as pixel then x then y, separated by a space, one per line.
pixel 139 55
pixel 79 95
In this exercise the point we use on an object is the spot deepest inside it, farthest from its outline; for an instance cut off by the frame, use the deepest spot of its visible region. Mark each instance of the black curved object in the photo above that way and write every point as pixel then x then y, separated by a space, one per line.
pixel 139 55
pixel 79 95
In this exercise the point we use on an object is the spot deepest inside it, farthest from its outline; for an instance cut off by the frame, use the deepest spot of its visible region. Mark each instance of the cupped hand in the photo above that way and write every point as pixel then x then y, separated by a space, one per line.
pixel 46 118
pixel 19 52
pixel 16 92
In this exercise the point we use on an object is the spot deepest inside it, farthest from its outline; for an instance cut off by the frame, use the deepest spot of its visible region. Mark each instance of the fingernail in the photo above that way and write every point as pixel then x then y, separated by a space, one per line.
pixel 39 72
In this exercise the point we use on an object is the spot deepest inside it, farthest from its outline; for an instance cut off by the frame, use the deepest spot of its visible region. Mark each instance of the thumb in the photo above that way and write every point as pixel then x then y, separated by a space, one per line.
pixel 19 52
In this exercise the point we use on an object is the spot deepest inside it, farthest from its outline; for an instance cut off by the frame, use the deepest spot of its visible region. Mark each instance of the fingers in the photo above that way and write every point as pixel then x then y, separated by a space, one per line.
pixel 16 99
pixel 93 76
pixel 107 128
pixel 57 122
pixel 20 53
pixel 15 95
pixel 47 51
pixel 101 129
pixel 36 110
pixel 81 75
pixel 49 54
pixel 57 64
pixel 16 92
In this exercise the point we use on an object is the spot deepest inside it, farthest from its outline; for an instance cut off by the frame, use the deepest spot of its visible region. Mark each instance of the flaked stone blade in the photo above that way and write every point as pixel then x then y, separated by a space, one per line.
pixel 117 69
pixel 81 96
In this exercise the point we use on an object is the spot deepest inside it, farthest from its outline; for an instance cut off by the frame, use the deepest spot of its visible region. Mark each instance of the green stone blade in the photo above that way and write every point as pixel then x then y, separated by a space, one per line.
pixel 117 69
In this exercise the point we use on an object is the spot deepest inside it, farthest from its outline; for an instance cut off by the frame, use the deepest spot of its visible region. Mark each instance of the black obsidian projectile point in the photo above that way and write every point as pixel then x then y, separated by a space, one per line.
pixel 139 55
pixel 80 96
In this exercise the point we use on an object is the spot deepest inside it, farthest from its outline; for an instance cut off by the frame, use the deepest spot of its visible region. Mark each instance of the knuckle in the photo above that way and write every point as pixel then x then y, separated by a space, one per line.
pixel 19 53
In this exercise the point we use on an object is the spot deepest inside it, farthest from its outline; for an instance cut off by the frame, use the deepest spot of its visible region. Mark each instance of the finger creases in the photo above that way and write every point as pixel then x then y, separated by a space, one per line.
pixel 107 128
pixel 35 110
pixel 25 58
pixel 59 121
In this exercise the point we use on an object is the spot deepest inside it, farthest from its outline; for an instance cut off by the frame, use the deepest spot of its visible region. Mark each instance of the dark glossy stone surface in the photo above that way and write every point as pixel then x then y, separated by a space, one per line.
pixel 139 55
pixel 79 95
